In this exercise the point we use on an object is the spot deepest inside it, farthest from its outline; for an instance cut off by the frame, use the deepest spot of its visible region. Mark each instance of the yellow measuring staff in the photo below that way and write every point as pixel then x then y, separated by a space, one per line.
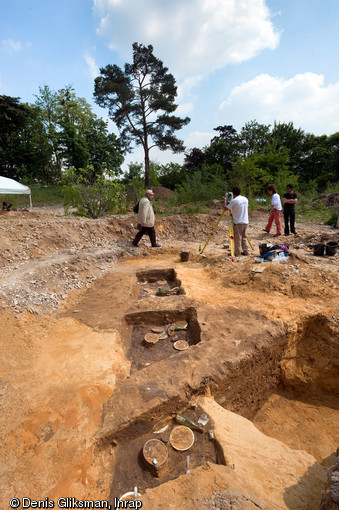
pixel 231 231
pixel 211 234
pixel 249 242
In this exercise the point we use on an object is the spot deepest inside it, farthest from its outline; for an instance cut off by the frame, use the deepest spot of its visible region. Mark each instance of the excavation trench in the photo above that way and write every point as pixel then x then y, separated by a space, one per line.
pixel 159 283
pixel 243 386
pixel 240 356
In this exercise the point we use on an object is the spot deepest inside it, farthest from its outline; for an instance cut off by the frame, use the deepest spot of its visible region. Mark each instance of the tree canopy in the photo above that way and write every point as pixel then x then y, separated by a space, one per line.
pixel 141 101
pixel 59 131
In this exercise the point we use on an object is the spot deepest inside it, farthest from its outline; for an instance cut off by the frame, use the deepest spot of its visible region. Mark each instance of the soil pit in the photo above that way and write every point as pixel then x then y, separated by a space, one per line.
pixel 159 282
pixel 162 324
pixel 131 468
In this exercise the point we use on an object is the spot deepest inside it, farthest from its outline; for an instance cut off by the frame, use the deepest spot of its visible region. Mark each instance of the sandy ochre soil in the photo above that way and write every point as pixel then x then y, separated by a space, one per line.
pixel 81 392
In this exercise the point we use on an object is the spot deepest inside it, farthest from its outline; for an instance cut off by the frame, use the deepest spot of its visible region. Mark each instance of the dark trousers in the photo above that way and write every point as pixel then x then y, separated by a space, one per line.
pixel 289 217
pixel 146 230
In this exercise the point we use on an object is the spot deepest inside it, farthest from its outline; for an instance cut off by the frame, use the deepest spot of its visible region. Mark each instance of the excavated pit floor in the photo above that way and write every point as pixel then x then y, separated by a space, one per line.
pixel 265 346
pixel 142 354
pixel 131 468
pixel 159 283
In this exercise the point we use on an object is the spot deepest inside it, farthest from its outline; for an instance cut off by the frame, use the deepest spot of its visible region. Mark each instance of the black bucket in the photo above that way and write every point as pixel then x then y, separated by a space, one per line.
pixel 184 256
pixel 318 249
pixel 331 248
pixel 264 248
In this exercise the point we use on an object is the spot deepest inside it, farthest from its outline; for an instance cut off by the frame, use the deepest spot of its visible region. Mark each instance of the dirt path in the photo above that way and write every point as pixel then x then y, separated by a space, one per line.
pixel 77 396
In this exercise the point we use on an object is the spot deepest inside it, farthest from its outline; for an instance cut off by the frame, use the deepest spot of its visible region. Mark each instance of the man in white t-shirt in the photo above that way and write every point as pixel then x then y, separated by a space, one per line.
pixel 239 209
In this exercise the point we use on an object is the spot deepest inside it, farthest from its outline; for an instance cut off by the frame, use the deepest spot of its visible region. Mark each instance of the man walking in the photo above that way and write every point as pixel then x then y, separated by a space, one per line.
pixel 289 200
pixel 239 208
pixel 146 220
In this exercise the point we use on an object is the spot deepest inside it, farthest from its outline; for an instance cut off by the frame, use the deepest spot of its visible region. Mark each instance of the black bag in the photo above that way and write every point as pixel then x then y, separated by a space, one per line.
pixel 136 208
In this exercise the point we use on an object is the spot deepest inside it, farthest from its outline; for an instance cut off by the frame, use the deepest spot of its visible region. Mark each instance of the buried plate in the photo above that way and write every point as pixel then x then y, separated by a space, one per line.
pixel 151 338
pixel 155 450
pixel 182 438
pixel 181 345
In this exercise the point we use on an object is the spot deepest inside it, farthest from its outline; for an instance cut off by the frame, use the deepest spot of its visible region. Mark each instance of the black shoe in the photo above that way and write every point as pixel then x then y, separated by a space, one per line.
pixel 134 244
pixel 286 235
pixel 156 245
pixel 295 233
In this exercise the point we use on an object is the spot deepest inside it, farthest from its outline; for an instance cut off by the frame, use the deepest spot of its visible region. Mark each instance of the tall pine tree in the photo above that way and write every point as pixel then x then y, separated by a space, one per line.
pixel 140 100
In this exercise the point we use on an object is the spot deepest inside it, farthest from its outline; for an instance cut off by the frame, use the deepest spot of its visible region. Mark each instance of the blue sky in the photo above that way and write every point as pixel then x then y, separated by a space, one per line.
pixel 233 60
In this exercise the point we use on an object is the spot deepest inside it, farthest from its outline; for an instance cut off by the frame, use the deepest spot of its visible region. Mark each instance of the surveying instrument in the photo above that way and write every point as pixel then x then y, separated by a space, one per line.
pixel 229 197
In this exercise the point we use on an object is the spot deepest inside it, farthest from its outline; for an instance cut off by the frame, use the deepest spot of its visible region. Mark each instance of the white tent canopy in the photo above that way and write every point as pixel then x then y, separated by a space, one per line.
pixel 12 187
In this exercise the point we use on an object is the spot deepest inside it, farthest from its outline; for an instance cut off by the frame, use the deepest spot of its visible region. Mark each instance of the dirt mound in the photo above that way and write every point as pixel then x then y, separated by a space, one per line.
pixel 328 200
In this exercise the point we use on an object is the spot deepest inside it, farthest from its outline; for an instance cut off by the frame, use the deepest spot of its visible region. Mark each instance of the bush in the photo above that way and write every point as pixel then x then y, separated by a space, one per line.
pixel 92 197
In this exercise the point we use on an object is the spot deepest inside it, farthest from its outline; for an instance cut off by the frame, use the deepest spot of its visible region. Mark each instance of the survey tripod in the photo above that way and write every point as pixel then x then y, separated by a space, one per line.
pixel 229 197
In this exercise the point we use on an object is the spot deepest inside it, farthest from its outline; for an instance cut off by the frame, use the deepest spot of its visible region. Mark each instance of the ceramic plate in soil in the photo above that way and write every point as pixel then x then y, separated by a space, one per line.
pixel 181 324
pixel 181 438
pixel 163 336
pixel 181 345
pixel 151 338
pixel 158 329
pixel 130 496
pixel 162 282
pixel 155 449
pixel 175 290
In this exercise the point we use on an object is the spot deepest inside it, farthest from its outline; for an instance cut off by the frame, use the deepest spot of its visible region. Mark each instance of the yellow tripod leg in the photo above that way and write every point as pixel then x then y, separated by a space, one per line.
pixel 249 242
pixel 231 232
pixel 211 234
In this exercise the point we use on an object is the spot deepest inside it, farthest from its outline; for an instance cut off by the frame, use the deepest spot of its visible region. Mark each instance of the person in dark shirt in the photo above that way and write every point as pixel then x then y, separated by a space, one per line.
pixel 289 200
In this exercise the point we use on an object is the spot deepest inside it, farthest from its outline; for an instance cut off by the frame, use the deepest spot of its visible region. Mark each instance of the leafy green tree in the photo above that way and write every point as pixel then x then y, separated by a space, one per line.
pixel 74 115
pixel 194 160
pixel 223 149
pixel 47 103
pixel 92 198
pixel 134 171
pixel 103 147
pixel 295 140
pixel 255 172
pixel 172 175
pixel 253 137
pixel 14 116
pixel 141 99
pixel 34 151
pixel 199 188
pixel 76 136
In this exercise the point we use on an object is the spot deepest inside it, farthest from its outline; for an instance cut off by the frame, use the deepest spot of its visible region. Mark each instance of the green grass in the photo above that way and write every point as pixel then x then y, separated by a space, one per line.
pixel 41 196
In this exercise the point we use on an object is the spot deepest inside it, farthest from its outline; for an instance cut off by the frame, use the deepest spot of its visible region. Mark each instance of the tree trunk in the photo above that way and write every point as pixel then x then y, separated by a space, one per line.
pixel 147 181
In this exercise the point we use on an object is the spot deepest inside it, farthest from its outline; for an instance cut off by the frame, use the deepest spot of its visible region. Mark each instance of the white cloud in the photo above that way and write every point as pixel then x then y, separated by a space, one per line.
pixel 93 68
pixel 183 109
pixel 192 38
pixel 303 99
pixel 197 139
pixel 12 46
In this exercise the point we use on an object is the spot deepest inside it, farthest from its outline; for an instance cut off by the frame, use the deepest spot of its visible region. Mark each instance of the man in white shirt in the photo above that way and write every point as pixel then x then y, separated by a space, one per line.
pixel 239 209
